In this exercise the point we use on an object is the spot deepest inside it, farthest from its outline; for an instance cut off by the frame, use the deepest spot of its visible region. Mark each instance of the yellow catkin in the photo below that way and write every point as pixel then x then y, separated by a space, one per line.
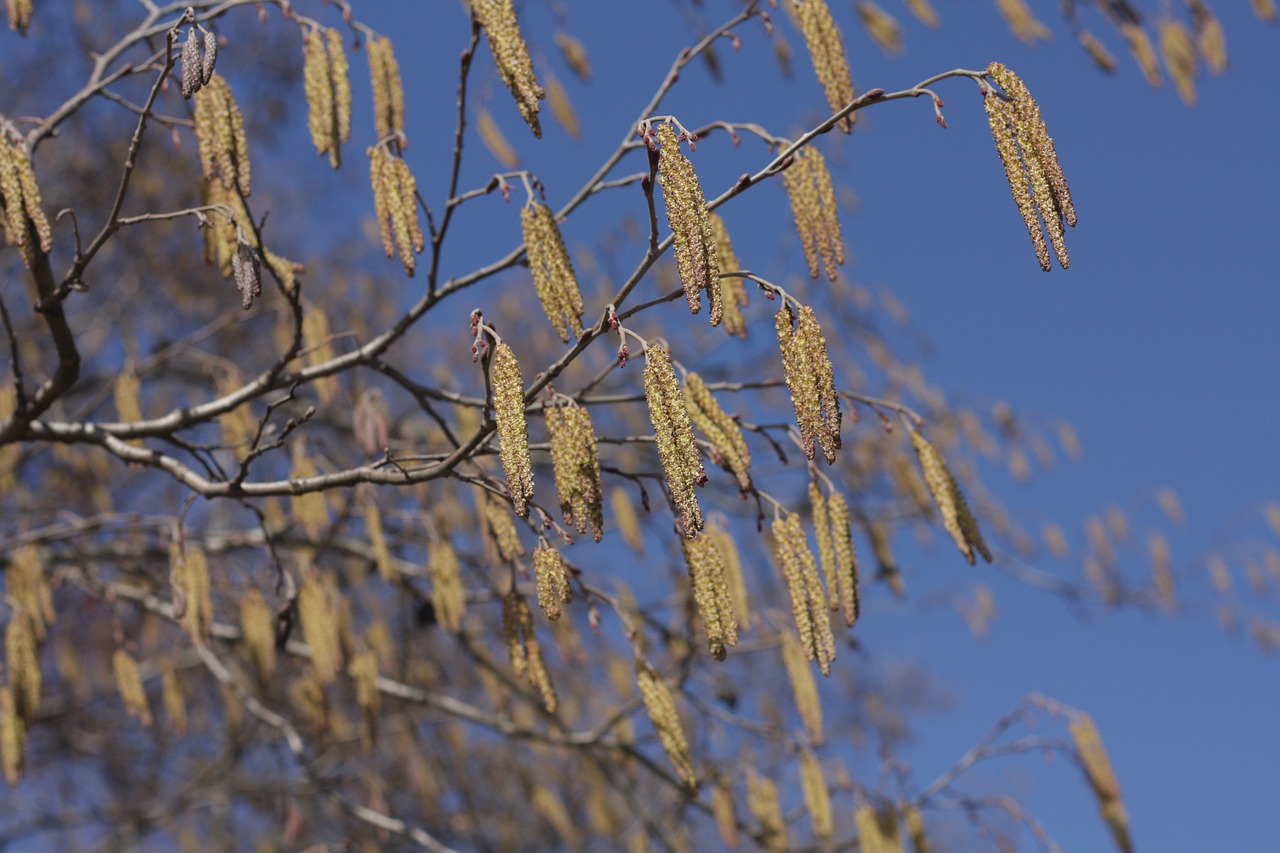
pixel 22 662
pixel 525 650
pixel 813 207
pixel 723 812
pixel 21 201
pixel 309 695
pixel 224 148
pixel 13 737
pixel 309 508
pixel 363 672
pixel 810 381
pixel 826 49
pixel 1053 196
pixel 734 579
pixel 804 687
pixel 317 86
pixel 720 429
pixel 1144 52
pixel 957 518
pixel 496 520
pixel 1097 51
pixel 574 53
pixel 26 584
pixel 511 55
pixel 846 557
pixel 1179 53
pixel 877 829
pixel 1162 572
pixel 826 545
pixel 883 28
pixel 129 683
pixel 817 797
pixel 495 141
pixel 448 597
pixel 377 538
pixel 258 627
pixel 1000 115
pixel 238 424
pixel 763 803
pixel 711 593
pixel 915 828
pixel 319 349
pixel 1264 9
pixel 175 702
pixel 396 207
pixel 695 243
pixel 19 15
pixel 319 616
pixel 924 12
pixel 388 93
pixel 576 464
pixel 1025 26
pixel 625 516
pixel 1097 768
pixel 553 275
pixel 562 108
pixel 553 578
pixel 513 430
pixel 733 293
pixel 661 705
pixel 191 567
pixel 673 431
pixel 127 393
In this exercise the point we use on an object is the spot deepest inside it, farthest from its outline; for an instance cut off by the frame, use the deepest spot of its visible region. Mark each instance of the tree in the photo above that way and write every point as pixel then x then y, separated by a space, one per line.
pixel 347 543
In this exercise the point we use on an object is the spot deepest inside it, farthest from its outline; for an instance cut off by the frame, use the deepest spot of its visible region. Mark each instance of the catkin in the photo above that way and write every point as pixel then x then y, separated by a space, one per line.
pixel 319 616
pixel 129 683
pixel 175 702
pixel 191 567
pixel 23 665
pixel 877 829
pixel 1024 25
pixel 915 828
pixel 846 557
pixel 513 431
pixel 813 207
pixel 808 601
pixel 624 515
pixel 525 651
pixel 804 688
pixel 448 598
pixel 826 49
pixel 681 461
pixel 19 20
pixel 553 576
pixel 661 705
pixel 826 545
pixel 763 803
pixel 191 78
pixel 697 259
pixel 511 55
pixel 734 579
pixel 733 293
pixel 388 93
pixel 723 812
pixel 817 797
pixel 127 392
pixel 553 276
pixel 377 537
pixel 1179 53
pixel 258 627
pixel 13 736
pixel 496 520
pixel 883 28
pixel 224 147
pixel 327 85
pixel 1097 768
pixel 1144 53
pixel 395 202
pixel 1000 117
pixel 21 201
pixel 26 584
pixel 363 672
pixel 720 429
pixel 711 593
pixel 810 381
pixel 576 464
pixel 957 518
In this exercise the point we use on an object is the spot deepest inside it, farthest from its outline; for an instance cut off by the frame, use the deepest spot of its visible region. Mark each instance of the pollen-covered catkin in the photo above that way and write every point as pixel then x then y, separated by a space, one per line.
pixel 681 460
pixel 553 580
pixel 736 581
pixel 720 429
pixel 810 381
pixel 826 545
pixel 13 736
pixel 395 204
pixel 661 705
pixel 957 518
pixel 697 259
pixel 808 601
pixel 20 201
pixel 511 55
pixel 318 613
pixel 258 627
pixel 328 91
pixel 524 649
pixel 1000 115
pixel 19 15
pixel 22 663
pixel 576 464
pixel 813 206
pixel 513 430
pixel 552 269
pixel 388 93
pixel 826 49
pixel 496 520
pixel 711 593
pixel 733 293
pixel 224 146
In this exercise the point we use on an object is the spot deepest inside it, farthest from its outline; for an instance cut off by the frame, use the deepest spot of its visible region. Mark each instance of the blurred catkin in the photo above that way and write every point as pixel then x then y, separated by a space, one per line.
pixel 846 557
pixel 129 683
pixel 553 579
pixel 733 293
pixel 388 93
pixel 808 601
pixel 765 807
pixel 576 464
pixel 661 705
pixel 19 15
pixel 448 598
pixel 395 204
pixel 957 518
pixel 525 650
pixel 711 593
pixel 817 797
pixel 327 85
pixel 1097 768
pixel 804 689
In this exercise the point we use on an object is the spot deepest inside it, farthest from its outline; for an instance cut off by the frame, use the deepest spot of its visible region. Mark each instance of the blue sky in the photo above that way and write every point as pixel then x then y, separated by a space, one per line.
pixel 1159 345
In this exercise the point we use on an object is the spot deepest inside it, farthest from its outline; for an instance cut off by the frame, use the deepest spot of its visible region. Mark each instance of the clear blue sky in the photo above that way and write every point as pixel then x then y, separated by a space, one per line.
pixel 1159 344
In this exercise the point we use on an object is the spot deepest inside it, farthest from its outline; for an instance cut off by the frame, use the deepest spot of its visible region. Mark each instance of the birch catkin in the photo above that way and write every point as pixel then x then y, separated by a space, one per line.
pixel 327 86
pixel 846 557
pixel 826 49
pixel 733 293
pixel 553 275
pixel 810 380
pixel 388 93
pixel 720 429
pixel 554 579
pixel 513 430
pixel 661 705
pixel 711 593
pixel 813 206
pixel 804 688
pixel 808 601
pixel 681 461
pixel 129 683
pixel 511 55
pixel 695 241
pixel 576 464
pixel 395 203
pixel 957 518
pixel 20 202
pixel 223 144
pixel 1097 768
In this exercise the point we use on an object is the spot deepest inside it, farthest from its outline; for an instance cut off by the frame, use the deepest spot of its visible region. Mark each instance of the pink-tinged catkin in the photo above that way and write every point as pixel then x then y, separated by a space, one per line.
pixel 697 258
pixel 511 55
pixel 513 431
pixel 673 432
pixel 826 49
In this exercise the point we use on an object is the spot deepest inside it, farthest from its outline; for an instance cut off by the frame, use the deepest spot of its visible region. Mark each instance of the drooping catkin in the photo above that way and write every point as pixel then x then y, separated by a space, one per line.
pixel 764 805
pixel 817 797
pixel 624 515
pixel 846 557
pixel 813 207
pixel 127 393
pixel 1033 132
pixel 309 508
pixel 1211 39
pixel 681 460
pixel 553 577
pixel 804 688
pixel 957 518
pixel 175 701
pixel 1179 53
pixel 318 613
pixel 258 627
pixel 524 649
pixel 723 812
pixel 513 430
pixel 826 545
pixel 395 203
pixel 576 464
pixel 511 55
pixel 448 598
pixel 877 828
pixel 1144 52
pixel 883 28
pixel 377 537
pixel 129 683
pixel 695 241
pixel 27 585
pixel 574 53
pixel 810 381
pixel 720 429
pixel 388 93
pixel 13 736
pixel 22 664
pixel 734 579
pixel 21 201
pixel 1023 23
pixel 733 293
pixel 496 520
pixel 191 567
pixel 553 276
pixel 661 705
pixel 19 16
pixel 711 593
pixel 495 141
pixel 808 601
pixel 327 86
pixel 915 828
pixel 224 146
pixel 1097 768
pixel 826 49
pixel 924 12
pixel 363 672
